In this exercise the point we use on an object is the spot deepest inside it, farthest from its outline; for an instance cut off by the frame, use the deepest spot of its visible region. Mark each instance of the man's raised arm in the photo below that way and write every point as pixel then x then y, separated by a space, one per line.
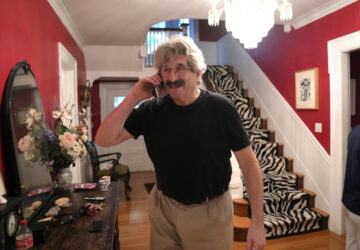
pixel 111 130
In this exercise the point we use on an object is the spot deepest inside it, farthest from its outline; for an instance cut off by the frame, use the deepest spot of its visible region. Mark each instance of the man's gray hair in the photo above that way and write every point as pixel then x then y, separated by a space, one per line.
pixel 180 45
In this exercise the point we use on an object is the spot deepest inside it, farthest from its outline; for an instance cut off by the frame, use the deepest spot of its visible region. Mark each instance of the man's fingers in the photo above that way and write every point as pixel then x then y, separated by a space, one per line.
pixel 249 245
pixel 154 79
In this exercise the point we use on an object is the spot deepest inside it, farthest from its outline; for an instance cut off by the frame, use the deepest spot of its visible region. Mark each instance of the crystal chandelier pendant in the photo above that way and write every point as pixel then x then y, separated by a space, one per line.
pixel 250 20
pixel 286 12
pixel 214 15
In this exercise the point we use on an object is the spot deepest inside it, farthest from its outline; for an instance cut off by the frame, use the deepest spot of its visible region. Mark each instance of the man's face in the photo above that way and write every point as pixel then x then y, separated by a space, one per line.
pixel 179 80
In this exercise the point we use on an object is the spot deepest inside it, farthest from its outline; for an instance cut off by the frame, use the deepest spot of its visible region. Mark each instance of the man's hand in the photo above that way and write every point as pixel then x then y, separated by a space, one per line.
pixel 143 88
pixel 256 237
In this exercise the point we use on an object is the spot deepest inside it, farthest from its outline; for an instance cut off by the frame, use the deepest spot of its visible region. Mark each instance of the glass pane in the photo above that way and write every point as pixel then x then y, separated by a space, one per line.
pixel 120 99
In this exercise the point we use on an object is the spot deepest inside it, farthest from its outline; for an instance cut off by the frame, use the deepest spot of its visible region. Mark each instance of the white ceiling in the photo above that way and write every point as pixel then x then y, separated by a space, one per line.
pixel 126 22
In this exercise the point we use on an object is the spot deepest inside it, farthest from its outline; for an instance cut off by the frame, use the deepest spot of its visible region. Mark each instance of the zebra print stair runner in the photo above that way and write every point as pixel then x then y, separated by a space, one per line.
pixel 286 208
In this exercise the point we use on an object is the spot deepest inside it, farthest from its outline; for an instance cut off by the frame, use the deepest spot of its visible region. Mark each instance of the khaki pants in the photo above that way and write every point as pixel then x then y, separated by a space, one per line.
pixel 352 230
pixel 202 226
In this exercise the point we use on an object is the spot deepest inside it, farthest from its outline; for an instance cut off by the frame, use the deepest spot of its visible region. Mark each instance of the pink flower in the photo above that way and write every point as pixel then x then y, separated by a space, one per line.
pixel 25 143
pixel 67 140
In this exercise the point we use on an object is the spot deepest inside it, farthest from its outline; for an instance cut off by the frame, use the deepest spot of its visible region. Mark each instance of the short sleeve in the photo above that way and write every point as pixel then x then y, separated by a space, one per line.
pixel 134 123
pixel 234 129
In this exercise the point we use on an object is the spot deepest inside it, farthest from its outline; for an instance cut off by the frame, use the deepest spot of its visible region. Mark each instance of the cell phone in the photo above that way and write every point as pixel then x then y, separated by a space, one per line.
pixel 156 90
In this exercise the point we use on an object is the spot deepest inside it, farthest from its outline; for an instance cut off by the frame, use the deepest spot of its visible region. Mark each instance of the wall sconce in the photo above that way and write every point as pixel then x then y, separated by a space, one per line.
pixel 85 94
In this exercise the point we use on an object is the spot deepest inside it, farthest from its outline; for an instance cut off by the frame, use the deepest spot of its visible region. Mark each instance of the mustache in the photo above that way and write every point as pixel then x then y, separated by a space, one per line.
pixel 175 84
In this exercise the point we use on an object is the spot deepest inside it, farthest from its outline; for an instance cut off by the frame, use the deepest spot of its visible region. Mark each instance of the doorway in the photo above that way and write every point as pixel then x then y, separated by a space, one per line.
pixel 133 152
pixel 68 94
pixel 339 70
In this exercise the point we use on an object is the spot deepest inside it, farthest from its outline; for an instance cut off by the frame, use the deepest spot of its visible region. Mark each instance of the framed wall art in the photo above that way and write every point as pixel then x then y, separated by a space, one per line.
pixel 307 89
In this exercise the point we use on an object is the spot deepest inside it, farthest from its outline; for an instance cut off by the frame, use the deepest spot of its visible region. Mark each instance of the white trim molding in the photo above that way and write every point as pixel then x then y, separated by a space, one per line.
pixel 319 12
pixel 339 65
pixel 66 19
pixel 68 85
pixel 310 158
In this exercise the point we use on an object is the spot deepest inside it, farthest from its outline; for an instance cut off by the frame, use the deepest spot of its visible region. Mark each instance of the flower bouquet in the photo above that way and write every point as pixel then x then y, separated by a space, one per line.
pixel 57 149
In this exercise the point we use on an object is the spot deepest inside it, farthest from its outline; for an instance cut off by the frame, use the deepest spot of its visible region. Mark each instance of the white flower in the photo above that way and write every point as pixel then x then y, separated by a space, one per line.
pixel 84 137
pixel 67 140
pixel 29 122
pixel 56 114
pixel 83 149
pixel 75 150
pixel 37 116
pixel 25 143
pixel 31 112
pixel 29 155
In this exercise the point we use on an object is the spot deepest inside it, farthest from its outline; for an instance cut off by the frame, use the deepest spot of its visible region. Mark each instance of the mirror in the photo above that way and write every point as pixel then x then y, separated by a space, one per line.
pixel 20 94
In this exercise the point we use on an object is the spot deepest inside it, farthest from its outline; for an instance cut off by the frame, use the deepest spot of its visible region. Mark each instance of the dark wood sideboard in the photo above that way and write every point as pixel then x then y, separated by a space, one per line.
pixel 76 235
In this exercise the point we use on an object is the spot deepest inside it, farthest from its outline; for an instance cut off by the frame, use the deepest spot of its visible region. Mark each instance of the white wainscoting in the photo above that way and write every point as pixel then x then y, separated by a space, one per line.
pixel 310 158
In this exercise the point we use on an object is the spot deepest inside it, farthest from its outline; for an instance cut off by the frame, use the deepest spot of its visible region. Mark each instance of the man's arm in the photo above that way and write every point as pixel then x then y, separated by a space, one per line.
pixel 111 131
pixel 254 187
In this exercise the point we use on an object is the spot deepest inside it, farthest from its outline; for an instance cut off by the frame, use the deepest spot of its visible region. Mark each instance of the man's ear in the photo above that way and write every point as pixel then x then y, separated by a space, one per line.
pixel 198 76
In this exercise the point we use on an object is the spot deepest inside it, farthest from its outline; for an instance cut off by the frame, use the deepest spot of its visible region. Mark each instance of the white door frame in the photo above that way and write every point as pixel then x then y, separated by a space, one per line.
pixel 339 71
pixel 67 87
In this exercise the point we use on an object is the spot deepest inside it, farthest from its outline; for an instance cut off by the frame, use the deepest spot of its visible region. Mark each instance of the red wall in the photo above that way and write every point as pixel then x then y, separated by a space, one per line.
pixel 281 54
pixel 355 74
pixel 30 30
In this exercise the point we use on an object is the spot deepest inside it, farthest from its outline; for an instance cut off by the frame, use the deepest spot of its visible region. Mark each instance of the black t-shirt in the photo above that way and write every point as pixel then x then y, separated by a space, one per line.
pixel 190 145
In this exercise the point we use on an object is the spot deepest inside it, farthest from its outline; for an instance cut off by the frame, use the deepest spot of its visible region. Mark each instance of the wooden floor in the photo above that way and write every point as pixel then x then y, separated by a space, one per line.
pixel 134 225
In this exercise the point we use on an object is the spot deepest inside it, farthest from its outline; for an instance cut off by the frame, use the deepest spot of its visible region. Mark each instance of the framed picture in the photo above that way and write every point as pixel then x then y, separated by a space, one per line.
pixel 307 89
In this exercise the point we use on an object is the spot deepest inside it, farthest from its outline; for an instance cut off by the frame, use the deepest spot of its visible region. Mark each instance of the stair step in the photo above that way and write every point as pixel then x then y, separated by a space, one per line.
pixel 280 149
pixel 264 149
pixel 272 136
pixel 290 164
pixel 236 76
pixel 280 224
pixel 273 165
pixel 241 207
pixel 241 84
pixel 324 219
pixel 241 226
pixel 251 101
pixel 258 112
pixel 245 92
pixel 311 200
pixel 300 179
pixel 207 83
pixel 264 123
pixel 261 135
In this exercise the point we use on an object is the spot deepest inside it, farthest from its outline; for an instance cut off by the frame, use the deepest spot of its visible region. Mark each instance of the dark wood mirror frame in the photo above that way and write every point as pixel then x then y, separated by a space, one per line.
pixel 20 94
pixel 12 178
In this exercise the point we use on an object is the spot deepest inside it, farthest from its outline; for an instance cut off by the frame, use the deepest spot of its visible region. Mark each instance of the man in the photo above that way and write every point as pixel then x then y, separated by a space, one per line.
pixel 188 134
pixel 351 192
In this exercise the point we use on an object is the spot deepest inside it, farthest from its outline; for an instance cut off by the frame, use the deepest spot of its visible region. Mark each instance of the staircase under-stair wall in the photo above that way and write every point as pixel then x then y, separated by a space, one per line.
pixel 289 208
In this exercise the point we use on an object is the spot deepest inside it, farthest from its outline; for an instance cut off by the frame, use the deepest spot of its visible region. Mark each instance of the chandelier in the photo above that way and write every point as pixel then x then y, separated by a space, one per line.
pixel 249 20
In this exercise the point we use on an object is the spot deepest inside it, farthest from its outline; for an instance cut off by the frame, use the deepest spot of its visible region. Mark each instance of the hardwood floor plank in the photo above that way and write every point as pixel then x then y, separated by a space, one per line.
pixel 134 225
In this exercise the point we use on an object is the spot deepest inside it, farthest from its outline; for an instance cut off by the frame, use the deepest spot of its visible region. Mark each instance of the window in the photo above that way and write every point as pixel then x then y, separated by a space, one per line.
pixel 160 33
pixel 120 99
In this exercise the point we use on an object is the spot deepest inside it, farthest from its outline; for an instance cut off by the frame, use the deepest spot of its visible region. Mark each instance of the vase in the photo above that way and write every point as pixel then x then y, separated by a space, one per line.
pixel 63 179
